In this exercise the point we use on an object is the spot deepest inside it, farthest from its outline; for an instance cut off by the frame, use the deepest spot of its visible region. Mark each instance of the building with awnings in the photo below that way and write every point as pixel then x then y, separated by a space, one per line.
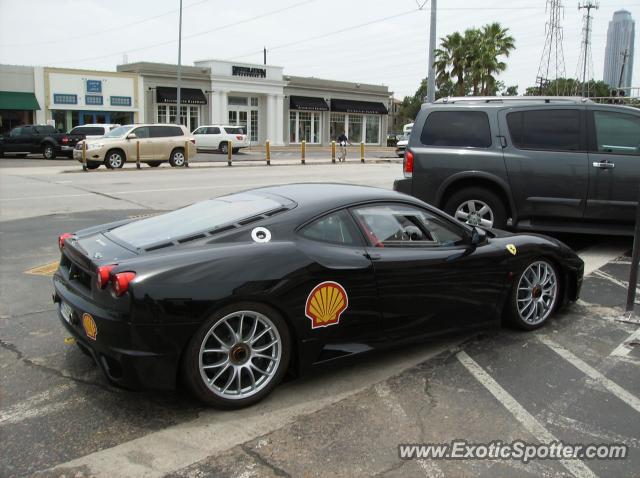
pixel 159 83
pixel 318 111
pixel 18 102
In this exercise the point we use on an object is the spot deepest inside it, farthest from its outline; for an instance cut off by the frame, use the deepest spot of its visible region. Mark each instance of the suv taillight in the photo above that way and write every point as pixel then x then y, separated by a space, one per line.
pixel 407 166
pixel 65 140
pixel 239 137
pixel 62 238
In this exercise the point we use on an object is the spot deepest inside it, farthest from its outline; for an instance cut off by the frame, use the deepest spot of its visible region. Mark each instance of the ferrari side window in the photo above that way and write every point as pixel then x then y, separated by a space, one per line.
pixel 404 226
pixel 336 228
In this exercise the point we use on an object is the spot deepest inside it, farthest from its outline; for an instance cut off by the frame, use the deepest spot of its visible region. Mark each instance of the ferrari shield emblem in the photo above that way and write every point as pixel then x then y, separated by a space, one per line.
pixel 89 326
pixel 325 304
pixel 512 249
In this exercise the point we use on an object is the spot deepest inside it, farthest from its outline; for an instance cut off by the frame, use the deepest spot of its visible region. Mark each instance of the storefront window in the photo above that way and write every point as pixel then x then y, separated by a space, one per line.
pixel 60 119
pixel 122 117
pixel 162 114
pixel 254 124
pixel 173 113
pixel 372 134
pixel 237 101
pixel 194 117
pixel 316 128
pixel 336 125
pixel 304 127
pixel 355 128
pixel 183 116
pixel 293 116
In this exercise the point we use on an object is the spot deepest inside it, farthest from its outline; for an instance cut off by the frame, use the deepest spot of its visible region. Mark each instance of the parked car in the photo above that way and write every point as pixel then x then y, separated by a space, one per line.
pixel 401 145
pixel 549 164
pixel 230 294
pixel 159 143
pixel 38 138
pixel 93 131
pixel 216 137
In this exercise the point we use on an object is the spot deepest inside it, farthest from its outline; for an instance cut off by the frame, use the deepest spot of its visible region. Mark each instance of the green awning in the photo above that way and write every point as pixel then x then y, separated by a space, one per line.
pixel 13 100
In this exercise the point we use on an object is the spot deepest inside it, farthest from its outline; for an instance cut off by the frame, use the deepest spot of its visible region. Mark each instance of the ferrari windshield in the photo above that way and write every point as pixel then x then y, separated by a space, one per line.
pixel 198 218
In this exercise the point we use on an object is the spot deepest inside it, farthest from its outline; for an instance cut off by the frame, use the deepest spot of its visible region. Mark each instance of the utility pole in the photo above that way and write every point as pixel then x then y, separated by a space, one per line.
pixel 625 55
pixel 265 55
pixel 588 6
pixel 179 66
pixel 552 52
pixel 431 78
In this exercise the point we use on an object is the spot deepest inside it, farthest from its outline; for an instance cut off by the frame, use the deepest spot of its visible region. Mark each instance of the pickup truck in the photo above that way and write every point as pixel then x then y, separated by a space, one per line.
pixel 43 139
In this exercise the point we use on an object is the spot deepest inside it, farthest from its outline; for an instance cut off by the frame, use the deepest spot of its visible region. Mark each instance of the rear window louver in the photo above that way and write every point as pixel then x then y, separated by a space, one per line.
pixel 216 231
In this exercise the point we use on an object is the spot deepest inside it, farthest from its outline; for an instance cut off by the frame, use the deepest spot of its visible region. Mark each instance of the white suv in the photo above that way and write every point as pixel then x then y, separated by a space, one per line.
pixel 215 137
pixel 93 131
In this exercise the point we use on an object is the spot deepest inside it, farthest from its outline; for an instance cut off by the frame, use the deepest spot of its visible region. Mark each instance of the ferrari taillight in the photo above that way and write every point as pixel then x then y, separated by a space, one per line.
pixel 104 274
pixel 121 282
pixel 62 238
pixel 407 165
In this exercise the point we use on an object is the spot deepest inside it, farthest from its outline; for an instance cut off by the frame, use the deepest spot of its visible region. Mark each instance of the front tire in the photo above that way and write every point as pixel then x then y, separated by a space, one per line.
pixel 238 356
pixel 534 296
pixel 48 151
pixel 477 207
pixel 114 159
pixel 177 159
pixel 224 147
pixel 92 165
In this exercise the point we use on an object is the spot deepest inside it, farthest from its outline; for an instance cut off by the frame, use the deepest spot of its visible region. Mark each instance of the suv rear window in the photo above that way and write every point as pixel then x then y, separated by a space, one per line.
pixel 550 130
pixel 457 128
pixel 88 130
pixel 165 131
pixel 234 130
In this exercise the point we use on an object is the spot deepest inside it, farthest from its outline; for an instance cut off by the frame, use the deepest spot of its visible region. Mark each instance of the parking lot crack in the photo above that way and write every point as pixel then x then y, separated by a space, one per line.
pixel 263 461
pixel 391 469
pixel 50 370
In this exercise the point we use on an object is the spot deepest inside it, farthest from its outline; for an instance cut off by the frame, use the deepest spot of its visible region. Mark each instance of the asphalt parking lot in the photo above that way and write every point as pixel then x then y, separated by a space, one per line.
pixel 575 380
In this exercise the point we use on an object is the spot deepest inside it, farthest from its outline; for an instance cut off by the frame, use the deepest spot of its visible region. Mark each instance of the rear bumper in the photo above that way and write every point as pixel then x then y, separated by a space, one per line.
pixel 403 185
pixel 118 346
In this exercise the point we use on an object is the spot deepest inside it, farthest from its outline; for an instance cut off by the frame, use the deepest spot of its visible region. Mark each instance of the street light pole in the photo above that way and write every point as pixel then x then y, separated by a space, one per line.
pixel 179 66
pixel 431 79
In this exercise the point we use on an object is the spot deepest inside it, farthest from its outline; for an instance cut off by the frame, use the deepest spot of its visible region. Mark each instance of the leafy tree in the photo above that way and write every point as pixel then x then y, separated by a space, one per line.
pixel 569 87
pixel 473 60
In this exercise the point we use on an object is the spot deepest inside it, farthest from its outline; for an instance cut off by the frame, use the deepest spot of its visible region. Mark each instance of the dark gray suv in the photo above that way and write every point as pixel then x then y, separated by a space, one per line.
pixel 551 164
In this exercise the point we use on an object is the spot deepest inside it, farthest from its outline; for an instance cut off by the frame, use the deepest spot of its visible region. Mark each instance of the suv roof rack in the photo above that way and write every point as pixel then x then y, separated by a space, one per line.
pixel 514 99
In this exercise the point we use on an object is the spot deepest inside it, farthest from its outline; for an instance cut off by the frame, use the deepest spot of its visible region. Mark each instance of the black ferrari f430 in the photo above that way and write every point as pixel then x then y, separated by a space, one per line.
pixel 233 292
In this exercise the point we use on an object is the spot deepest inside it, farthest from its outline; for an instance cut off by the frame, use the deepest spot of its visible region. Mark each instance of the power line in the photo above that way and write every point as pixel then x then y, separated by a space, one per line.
pixel 553 48
pixel 101 32
pixel 193 35
pixel 586 59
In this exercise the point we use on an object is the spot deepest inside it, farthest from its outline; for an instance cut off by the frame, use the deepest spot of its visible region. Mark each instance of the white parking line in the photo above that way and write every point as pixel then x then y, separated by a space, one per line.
pixel 593 374
pixel 576 467
pixel 624 348
pixel 31 407
pixel 610 278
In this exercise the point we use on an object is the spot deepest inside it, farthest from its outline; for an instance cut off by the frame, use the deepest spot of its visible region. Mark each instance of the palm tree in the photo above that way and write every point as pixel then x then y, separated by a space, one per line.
pixel 450 62
pixel 496 42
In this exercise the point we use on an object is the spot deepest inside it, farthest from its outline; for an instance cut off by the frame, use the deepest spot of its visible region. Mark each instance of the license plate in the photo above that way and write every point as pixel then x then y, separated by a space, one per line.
pixel 66 311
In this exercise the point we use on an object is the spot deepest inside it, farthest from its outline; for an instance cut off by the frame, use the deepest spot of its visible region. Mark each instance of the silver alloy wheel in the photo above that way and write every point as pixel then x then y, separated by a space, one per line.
pixel 115 160
pixel 48 152
pixel 537 292
pixel 240 355
pixel 224 148
pixel 475 213
pixel 178 158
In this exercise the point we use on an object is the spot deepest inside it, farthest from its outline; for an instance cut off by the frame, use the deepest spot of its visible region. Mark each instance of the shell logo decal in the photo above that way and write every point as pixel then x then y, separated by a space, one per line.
pixel 89 326
pixel 512 249
pixel 325 304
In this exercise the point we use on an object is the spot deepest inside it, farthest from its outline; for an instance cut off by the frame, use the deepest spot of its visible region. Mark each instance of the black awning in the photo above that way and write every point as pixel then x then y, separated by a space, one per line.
pixel 308 103
pixel 362 107
pixel 188 96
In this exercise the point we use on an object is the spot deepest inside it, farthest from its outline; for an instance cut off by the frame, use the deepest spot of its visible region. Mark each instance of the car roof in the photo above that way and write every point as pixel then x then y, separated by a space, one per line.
pixel 220 126
pixel 327 196
pixel 96 125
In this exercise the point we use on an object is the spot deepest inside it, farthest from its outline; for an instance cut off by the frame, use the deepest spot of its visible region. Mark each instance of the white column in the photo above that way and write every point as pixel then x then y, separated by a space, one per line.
pixel 271 120
pixel 41 95
pixel 279 117
pixel 219 107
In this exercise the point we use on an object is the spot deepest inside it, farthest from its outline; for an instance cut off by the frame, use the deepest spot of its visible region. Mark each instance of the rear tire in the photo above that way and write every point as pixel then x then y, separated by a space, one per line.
pixel 235 150
pixel 468 205
pixel 154 164
pixel 177 159
pixel 48 151
pixel 218 384
pixel 224 147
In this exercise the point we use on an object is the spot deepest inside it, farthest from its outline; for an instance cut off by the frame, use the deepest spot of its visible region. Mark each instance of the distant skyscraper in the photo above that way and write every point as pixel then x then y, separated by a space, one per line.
pixel 620 40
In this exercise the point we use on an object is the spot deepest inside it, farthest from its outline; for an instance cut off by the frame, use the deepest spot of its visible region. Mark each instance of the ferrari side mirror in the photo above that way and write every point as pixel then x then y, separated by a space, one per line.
pixel 478 236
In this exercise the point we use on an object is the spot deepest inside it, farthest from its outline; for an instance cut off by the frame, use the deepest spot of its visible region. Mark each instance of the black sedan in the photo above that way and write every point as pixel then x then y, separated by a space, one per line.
pixel 232 293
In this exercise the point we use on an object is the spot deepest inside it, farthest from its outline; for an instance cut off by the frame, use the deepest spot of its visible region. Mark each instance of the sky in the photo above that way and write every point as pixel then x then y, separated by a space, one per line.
pixel 366 41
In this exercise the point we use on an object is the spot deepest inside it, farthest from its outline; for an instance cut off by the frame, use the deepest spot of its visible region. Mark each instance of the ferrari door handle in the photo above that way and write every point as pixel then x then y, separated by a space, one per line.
pixel 604 165
pixel 373 256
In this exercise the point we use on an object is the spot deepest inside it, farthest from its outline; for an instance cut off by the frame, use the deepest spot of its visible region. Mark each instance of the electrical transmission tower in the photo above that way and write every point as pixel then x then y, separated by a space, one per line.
pixel 585 63
pixel 552 60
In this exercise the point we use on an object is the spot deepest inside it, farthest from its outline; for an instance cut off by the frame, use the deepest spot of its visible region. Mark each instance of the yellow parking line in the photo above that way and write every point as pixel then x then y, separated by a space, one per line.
pixel 45 270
